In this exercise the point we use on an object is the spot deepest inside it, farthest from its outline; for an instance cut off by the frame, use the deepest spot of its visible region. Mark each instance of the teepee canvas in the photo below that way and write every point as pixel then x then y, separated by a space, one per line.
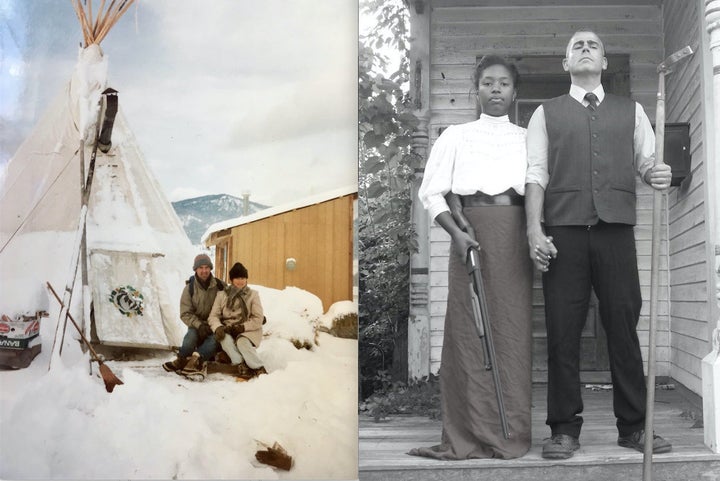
pixel 135 255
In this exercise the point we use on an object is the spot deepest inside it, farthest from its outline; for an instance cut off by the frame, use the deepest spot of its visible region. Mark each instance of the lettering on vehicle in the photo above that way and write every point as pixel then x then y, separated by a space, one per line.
pixel 10 343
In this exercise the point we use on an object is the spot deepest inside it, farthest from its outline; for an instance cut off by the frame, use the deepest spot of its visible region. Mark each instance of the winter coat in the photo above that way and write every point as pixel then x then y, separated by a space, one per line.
pixel 194 311
pixel 228 310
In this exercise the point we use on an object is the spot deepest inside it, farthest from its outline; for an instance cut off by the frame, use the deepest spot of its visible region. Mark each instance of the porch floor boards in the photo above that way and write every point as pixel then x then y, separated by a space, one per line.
pixel 383 447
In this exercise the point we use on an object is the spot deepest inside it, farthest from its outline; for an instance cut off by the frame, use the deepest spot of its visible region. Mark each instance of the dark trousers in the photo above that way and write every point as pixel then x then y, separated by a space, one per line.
pixel 602 257
pixel 206 347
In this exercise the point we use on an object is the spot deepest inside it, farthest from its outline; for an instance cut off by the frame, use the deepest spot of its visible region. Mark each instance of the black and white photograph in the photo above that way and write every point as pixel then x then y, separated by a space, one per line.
pixel 538 231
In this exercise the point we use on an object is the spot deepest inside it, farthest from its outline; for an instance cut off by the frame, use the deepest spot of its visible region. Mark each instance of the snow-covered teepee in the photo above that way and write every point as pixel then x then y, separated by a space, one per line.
pixel 136 254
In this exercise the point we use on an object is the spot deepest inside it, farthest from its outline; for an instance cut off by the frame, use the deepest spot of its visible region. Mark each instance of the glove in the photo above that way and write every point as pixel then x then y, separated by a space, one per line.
pixel 236 329
pixel 220 333
pixel 204 331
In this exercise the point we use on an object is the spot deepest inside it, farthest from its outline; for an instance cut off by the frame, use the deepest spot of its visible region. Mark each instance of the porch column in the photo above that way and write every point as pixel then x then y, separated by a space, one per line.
pixel 419 322
pixel 711 362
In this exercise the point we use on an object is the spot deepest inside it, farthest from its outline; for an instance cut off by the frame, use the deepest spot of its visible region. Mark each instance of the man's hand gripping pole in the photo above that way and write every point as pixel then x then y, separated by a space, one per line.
pixel 479 305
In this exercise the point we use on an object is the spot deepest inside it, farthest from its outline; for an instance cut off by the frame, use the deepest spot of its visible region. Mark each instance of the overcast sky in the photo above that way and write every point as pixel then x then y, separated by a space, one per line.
pixel 224 96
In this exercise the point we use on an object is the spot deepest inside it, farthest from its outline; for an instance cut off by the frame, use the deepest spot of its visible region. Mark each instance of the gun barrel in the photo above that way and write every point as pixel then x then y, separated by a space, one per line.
pixel 482 319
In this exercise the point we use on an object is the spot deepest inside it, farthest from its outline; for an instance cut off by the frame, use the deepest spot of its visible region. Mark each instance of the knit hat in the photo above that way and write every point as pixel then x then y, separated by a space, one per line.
pixel 238 270
pixel 202 260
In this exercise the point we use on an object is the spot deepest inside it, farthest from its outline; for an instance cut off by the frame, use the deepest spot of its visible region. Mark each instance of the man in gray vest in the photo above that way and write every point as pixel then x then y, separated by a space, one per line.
pixel 584 150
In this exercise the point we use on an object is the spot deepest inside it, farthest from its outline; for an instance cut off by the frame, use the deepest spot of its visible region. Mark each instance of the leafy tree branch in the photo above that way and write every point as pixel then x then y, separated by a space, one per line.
pixel 387 163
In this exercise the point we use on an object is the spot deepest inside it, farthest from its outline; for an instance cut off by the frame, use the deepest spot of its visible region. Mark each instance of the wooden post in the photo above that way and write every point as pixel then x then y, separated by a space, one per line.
pixel 710 364
pixel 419 321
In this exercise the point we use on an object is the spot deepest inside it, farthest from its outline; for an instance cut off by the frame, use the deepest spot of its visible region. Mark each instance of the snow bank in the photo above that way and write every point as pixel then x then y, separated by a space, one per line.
pixel 292 314
pixel 62 424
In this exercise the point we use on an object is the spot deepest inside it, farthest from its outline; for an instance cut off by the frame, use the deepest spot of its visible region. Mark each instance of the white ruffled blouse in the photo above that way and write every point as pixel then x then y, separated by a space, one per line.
pixel 487 155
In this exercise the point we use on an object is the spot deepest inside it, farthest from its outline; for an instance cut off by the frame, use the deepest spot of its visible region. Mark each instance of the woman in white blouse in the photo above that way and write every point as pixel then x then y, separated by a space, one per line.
pixel 484 162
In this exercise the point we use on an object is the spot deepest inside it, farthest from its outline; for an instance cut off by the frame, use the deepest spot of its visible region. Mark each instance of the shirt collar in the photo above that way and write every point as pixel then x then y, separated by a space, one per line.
pixel 578 93
pixel 496 120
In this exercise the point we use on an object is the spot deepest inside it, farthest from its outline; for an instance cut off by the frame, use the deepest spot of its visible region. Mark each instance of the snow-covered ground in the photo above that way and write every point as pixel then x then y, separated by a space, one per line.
pixel 60 423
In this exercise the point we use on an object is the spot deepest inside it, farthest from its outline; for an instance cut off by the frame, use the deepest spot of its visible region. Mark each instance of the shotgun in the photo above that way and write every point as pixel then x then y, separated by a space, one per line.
pixel 479 305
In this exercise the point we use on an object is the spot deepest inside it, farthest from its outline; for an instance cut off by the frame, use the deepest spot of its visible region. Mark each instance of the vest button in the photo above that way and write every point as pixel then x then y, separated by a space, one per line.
pixel 595 172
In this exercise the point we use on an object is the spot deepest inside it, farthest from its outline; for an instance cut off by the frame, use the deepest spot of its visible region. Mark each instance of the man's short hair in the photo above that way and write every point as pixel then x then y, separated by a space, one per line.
pixel 589 30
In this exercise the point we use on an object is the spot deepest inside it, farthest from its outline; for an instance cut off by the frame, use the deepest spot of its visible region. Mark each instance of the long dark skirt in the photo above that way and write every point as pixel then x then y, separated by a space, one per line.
pixel 471 423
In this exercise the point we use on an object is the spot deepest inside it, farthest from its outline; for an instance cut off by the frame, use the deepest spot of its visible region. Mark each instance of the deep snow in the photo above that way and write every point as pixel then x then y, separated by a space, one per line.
pixel 62 424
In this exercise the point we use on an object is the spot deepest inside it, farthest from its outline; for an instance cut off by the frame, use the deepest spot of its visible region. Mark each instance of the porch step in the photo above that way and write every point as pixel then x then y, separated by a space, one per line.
pixel 383 446
pixel 667 467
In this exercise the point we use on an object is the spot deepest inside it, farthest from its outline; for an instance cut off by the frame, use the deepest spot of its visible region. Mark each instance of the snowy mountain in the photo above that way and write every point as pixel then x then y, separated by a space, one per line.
pixel 198 213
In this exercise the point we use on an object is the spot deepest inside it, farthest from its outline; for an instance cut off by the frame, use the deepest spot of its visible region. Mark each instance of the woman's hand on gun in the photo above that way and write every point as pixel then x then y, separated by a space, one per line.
pixel 462 242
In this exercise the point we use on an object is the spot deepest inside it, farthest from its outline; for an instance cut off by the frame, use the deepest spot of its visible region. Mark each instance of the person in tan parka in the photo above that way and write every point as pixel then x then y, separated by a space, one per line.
pixel 236 319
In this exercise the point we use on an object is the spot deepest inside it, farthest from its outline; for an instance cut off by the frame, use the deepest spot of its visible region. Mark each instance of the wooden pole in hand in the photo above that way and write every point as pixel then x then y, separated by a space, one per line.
pixel 658 197
pixel 654 281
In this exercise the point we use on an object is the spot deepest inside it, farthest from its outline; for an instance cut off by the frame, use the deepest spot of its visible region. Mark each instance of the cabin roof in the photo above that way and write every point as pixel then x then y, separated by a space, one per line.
pixel 280 209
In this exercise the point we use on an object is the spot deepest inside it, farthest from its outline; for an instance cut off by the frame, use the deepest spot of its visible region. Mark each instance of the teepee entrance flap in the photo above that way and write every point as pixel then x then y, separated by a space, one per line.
pixel 131 307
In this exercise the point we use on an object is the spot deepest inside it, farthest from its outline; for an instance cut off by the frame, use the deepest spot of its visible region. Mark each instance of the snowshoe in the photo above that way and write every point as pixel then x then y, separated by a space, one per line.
pixel 195 369
pixel 198 375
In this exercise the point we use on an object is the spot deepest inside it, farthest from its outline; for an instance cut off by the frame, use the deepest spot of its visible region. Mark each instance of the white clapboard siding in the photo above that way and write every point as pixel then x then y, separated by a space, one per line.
pixel 688 233
pixel 460 32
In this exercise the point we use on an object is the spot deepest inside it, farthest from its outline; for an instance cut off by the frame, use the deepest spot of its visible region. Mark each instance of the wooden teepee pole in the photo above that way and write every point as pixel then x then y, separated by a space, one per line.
pixel 96 27
pixel 77 251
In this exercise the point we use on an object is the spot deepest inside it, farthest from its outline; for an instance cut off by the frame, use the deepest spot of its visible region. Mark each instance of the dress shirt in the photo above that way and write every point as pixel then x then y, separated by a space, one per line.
pixel 488 155
pixel 537 139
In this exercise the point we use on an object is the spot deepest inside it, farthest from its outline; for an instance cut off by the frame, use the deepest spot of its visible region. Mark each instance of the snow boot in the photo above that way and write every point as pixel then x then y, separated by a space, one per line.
pixel 195 369
pixel 176 365
pixel 257 372
pixel 244 371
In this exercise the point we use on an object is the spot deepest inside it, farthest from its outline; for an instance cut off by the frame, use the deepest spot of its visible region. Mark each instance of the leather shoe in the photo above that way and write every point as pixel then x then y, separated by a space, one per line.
pixel 560 446
pixel 636 441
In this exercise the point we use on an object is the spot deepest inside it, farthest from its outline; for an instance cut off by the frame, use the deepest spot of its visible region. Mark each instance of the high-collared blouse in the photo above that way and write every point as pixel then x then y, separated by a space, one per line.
pixel 487 155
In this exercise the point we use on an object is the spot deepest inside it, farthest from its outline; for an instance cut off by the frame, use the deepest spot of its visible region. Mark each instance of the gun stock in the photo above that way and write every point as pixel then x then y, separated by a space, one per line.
pixel 479 306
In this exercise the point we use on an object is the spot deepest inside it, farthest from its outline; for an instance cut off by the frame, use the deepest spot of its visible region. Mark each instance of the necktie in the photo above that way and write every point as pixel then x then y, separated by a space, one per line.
pixel 592 100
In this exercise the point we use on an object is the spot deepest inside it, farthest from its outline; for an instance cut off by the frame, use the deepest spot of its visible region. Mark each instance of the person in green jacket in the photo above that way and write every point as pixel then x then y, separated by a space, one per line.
pixel 199 344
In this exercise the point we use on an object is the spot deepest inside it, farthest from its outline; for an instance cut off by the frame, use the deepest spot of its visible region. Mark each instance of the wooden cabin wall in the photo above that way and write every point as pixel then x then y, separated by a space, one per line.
pixel 319 237
pixel 688 230
pixel 461 33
